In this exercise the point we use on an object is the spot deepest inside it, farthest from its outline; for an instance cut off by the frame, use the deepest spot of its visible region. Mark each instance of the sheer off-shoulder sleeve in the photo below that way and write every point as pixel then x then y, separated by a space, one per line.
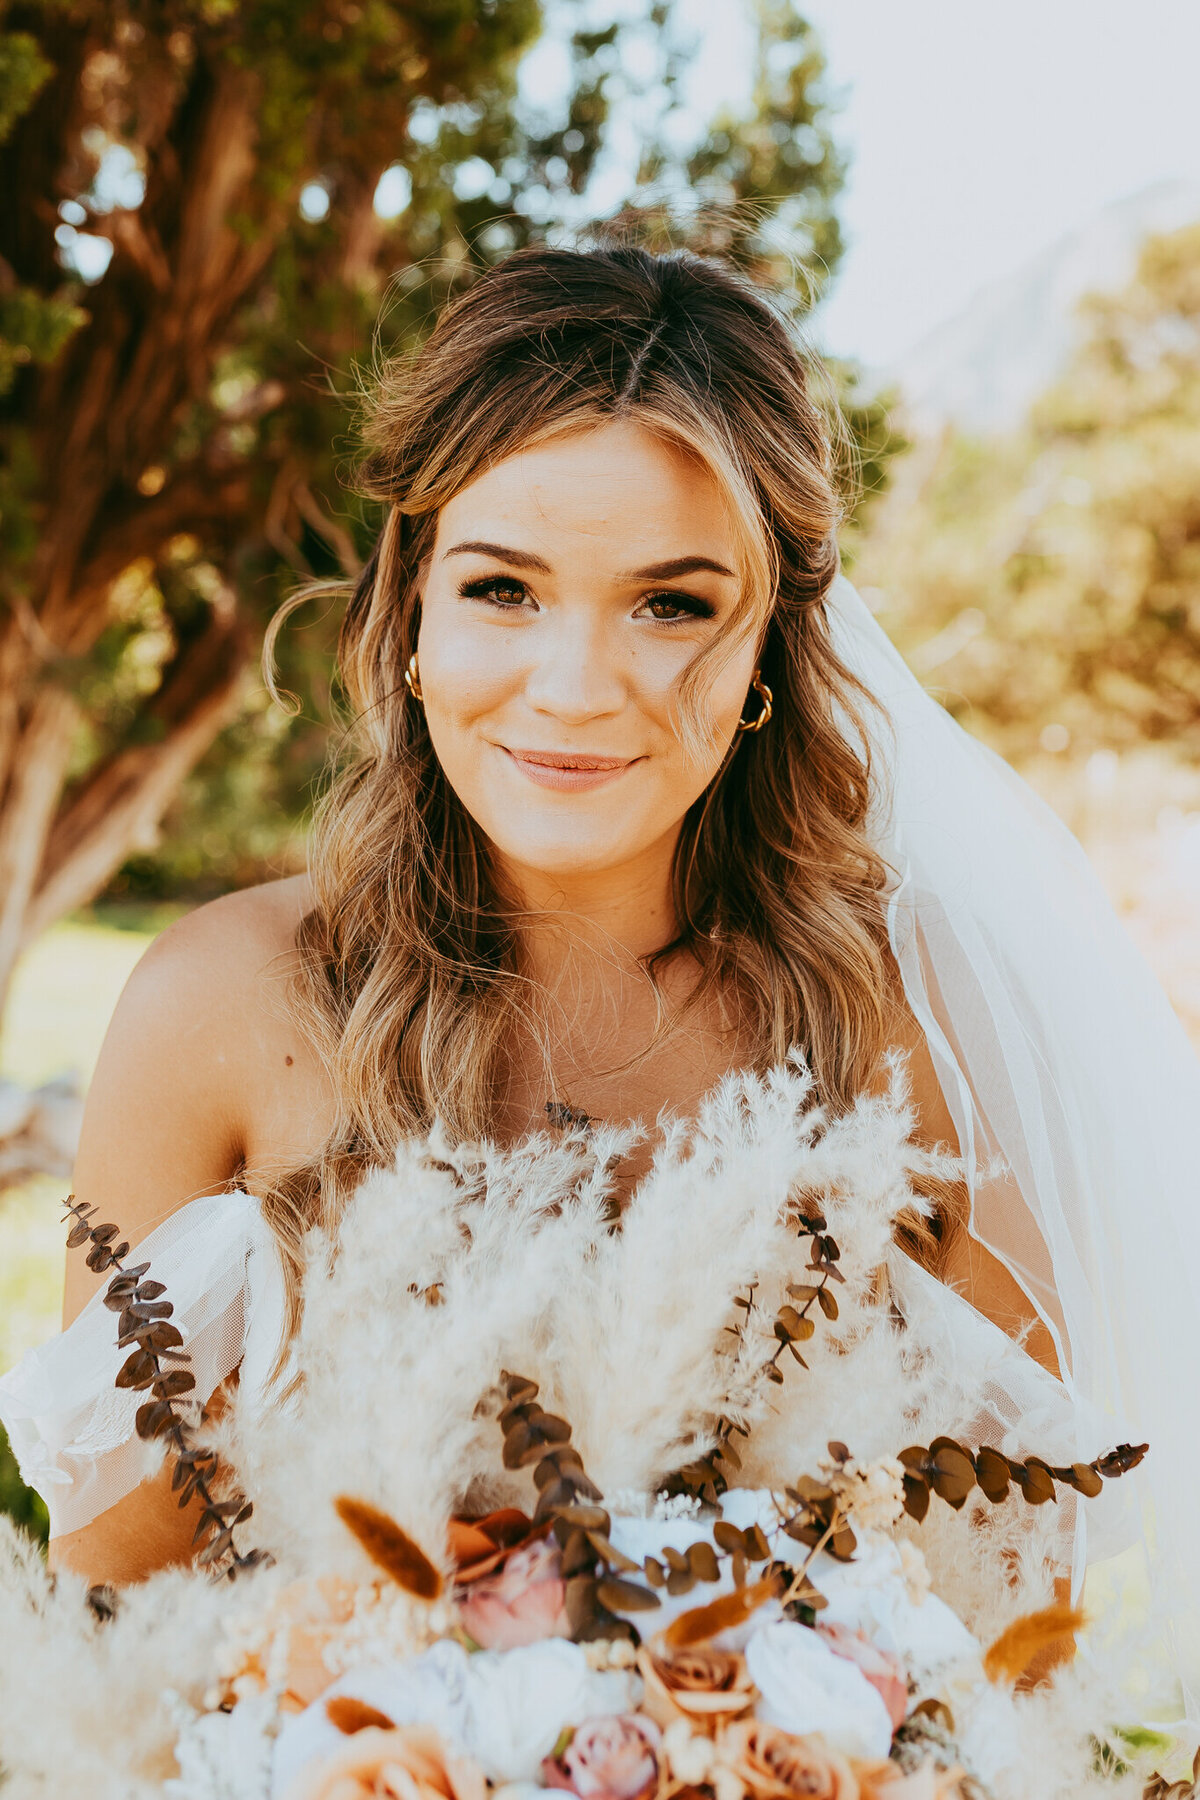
pixel 72 1430
pixel 984 1388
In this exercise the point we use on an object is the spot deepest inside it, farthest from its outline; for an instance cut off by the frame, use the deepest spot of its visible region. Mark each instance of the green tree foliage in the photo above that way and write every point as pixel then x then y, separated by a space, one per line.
pixel 279 182
pixel 175 425
pixel 483 178
pixel 1048 584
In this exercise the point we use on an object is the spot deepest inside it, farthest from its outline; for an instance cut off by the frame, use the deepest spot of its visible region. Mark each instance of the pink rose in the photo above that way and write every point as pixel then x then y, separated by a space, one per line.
pixel 607 1759
pixel 522 1603
pixel 884 1671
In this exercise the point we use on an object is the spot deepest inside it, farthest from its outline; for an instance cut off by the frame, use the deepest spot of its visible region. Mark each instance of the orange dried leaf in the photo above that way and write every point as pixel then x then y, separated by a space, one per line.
pixel 351 1715
pixel 1015 1649
pixel 390 1547
pixel 702 1622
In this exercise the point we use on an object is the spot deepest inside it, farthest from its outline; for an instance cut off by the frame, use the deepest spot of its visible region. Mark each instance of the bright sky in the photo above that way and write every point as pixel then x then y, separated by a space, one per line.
pixel 979 134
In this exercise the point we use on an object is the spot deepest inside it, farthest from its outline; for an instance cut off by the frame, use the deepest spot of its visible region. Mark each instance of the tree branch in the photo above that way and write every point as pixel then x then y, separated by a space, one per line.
pixel 195 497
pixel 121 803
pixel 40 760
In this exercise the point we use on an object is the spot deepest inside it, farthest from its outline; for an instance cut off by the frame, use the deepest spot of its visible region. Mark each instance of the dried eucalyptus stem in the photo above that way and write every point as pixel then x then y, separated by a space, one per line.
pixel 708 1476
pixel 158 1363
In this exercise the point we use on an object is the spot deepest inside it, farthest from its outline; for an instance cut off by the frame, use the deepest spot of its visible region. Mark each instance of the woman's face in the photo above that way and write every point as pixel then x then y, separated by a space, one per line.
pixel 568 590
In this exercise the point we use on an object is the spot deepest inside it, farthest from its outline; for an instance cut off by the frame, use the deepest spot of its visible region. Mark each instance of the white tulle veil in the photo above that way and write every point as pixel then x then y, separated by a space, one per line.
pixel 1075 1094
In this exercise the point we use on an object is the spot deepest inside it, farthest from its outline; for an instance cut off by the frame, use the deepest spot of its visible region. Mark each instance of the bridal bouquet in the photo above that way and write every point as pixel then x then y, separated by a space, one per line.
pixel 684 1497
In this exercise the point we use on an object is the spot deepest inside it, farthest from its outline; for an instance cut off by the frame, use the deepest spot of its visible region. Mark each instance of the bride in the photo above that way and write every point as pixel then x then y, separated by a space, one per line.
pixel 641 794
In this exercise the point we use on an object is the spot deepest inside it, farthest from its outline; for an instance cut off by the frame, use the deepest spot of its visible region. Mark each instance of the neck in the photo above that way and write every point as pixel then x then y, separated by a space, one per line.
pixel 621 914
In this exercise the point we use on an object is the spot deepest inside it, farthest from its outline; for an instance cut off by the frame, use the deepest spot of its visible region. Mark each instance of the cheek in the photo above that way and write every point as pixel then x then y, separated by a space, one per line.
pixel 465 674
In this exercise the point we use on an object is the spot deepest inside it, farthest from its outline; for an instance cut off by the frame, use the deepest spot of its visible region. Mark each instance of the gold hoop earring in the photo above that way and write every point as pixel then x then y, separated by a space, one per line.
pixel 764 693
pixel 412 679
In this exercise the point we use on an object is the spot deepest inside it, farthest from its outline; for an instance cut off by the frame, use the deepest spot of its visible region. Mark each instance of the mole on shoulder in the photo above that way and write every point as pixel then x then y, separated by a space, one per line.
pixel 288 1061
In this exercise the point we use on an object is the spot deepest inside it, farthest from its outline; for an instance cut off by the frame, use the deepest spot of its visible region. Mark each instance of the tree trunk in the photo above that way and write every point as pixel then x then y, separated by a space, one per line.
pixel 57 851
pixel 101 414
pixel 38 762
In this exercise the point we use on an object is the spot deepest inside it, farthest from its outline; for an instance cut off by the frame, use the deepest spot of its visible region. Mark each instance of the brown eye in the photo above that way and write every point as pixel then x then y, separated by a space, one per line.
pixel 672 609
pixel 501 590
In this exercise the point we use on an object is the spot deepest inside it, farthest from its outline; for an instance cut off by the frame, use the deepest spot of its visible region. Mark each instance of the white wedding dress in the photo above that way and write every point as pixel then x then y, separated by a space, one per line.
pixel 73 1431
pixel 1076 1099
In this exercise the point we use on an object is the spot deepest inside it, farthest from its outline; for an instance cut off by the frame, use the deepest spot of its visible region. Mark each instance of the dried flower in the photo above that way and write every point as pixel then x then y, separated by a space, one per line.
pixel 158 1365
pixel 389 1546
pixel 607 1759
pixel 1050 1632
pixel 610 1653
pixel 914 1570
pixel 872 1493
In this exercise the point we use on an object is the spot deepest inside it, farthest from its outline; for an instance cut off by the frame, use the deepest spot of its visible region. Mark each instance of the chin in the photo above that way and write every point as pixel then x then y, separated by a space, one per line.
pixel 567 859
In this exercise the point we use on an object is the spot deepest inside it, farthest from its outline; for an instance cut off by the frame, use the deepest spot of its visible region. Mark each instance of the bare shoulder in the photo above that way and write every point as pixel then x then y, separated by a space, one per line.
pixel 204 1071
pixel 250 934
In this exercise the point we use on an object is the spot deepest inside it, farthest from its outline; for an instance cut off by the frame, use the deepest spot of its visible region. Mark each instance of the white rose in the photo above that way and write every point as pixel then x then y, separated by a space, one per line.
pixel 804 1687
pixel 871 1595
pixel 519 1701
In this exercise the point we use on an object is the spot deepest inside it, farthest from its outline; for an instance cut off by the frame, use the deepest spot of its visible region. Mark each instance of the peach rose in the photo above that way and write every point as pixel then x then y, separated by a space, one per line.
pixel 405 1763
pixel 706 1687
pixel 607 1759
pixel 774 1765
pixel 884 1671
pixel 523 1602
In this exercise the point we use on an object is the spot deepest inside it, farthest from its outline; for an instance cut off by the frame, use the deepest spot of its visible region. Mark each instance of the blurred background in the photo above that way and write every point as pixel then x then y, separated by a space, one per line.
pixel 217 212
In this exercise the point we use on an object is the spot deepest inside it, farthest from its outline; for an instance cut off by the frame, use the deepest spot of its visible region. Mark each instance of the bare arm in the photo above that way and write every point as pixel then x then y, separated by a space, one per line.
pixel 964 1264
pixel 176 1110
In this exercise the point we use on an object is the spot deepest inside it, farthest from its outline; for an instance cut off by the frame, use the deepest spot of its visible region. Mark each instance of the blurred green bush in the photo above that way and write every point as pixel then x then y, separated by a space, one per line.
pixel 20 1502
pixel 1047 584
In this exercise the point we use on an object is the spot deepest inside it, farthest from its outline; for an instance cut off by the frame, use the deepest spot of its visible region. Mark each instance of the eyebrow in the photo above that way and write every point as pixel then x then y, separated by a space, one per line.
pixel 520 559
pixel 525 559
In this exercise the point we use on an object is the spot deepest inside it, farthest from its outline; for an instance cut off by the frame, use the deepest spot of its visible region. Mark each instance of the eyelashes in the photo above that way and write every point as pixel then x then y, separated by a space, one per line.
pixel 685 606
pixel 490 587
pixel 508 594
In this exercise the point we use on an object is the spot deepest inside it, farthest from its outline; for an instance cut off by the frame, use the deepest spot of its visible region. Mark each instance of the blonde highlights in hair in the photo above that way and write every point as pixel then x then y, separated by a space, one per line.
pixel 411 958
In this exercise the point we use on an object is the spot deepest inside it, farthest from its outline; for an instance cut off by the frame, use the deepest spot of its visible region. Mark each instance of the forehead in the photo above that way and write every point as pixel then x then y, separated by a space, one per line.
pixel 612 488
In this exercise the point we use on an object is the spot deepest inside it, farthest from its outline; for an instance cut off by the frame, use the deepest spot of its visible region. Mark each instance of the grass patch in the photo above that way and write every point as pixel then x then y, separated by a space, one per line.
pixel 62 998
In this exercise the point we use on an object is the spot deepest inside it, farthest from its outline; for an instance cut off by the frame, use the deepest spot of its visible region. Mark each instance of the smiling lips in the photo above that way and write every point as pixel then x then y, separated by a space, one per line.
pixel 565 769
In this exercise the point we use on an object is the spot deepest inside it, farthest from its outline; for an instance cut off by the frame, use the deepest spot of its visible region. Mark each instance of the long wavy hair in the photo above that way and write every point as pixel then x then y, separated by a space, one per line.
pixel 411 956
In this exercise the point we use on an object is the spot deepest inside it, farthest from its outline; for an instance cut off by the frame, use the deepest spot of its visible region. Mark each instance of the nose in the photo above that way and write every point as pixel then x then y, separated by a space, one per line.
pixel 576 675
